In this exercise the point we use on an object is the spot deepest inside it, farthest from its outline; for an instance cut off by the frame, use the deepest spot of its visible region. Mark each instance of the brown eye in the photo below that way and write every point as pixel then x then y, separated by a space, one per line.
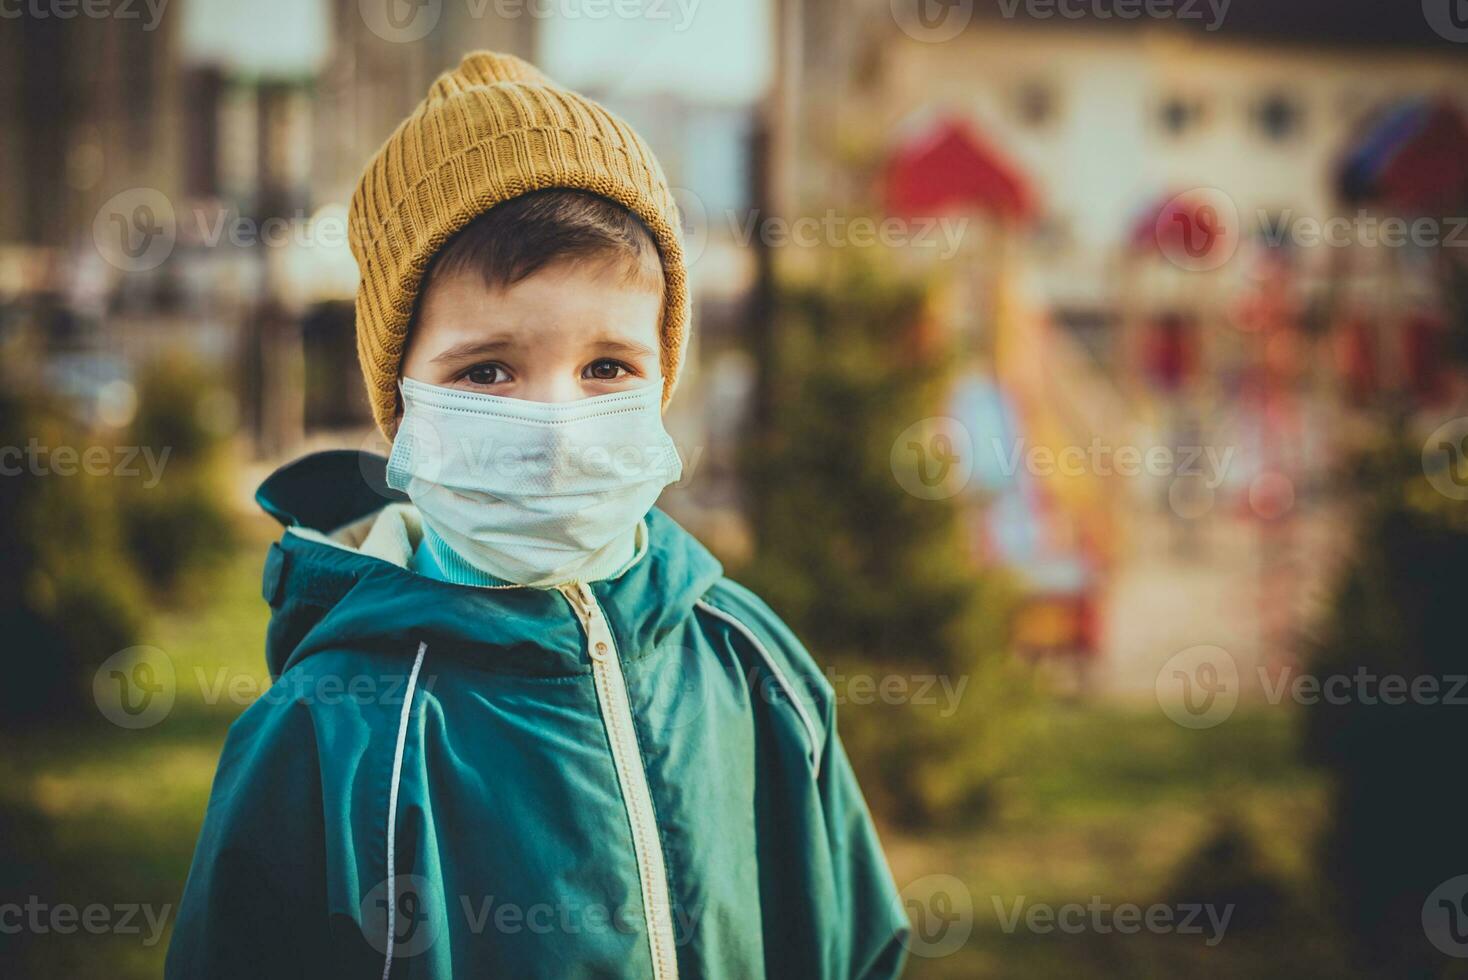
pixel 606 370
pixel 484 374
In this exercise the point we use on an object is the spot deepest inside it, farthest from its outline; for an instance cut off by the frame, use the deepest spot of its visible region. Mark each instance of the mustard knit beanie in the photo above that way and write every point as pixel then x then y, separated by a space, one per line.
pixel 490 130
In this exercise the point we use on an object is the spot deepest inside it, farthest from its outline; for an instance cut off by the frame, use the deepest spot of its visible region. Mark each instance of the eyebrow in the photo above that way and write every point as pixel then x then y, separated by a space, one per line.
pixel 472 348
pixel 624 348
pixel 479 348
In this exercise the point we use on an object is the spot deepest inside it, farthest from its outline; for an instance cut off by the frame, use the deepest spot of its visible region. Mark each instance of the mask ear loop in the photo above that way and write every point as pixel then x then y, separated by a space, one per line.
pixel 402 411
pixel 402 404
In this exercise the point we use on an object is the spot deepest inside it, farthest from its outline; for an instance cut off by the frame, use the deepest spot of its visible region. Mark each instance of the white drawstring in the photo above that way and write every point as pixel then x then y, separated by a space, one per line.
pixel 780 678
pixel 392 808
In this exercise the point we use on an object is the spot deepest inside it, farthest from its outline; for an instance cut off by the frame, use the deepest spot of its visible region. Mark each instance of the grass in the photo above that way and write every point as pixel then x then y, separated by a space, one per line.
pixel 1109 802
pixel 1118 805
pixel 96 814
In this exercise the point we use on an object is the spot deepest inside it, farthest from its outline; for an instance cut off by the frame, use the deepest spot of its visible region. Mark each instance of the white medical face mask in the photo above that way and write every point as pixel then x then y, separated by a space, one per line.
pixel 531 491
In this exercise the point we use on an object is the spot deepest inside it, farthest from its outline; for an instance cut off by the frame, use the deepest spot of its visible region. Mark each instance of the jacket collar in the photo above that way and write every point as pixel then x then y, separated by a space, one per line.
pixel 328 490
pixel 334 584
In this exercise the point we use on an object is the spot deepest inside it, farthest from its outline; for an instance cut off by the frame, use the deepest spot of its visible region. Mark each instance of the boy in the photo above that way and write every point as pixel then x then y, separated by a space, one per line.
pixel 521 726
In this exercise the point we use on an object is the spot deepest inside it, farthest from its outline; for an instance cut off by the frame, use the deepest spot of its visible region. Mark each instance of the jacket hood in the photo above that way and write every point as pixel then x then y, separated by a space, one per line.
pixel 337 580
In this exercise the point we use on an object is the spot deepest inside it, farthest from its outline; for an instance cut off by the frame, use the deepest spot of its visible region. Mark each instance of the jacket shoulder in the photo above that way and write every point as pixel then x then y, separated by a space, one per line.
pixel 795 671
pixel 339 703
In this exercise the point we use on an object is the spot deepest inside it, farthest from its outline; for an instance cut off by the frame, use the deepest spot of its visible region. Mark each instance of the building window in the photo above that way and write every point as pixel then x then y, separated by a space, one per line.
pixel 1179 115
pixel 1035 104
pixel 1278 118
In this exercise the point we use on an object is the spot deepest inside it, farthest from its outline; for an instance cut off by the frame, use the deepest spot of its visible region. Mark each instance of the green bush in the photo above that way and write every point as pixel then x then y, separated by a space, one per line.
pixel 83 550
pixel 181 525
pixel 934 763
pixel 67 599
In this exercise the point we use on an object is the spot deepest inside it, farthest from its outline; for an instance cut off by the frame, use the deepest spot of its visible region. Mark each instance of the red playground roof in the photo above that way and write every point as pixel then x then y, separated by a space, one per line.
pixel 950 167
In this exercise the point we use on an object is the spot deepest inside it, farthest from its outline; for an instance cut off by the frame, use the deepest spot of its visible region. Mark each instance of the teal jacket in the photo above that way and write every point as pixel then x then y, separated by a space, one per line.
pixel 634 778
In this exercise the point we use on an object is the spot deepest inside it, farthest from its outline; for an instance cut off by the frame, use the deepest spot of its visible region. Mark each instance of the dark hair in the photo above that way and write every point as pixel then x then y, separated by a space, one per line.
pixel 514 240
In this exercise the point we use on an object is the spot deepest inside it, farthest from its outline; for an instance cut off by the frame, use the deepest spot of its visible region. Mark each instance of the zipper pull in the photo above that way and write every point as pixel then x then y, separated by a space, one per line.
pixel 584 602
pixel 583 608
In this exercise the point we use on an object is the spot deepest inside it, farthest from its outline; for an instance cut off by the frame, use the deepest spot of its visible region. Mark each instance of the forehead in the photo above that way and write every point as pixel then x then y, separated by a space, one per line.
pixel 564 304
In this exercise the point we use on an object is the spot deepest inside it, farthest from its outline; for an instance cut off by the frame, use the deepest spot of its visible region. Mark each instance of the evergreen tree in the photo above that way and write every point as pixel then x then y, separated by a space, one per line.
pixel 879 583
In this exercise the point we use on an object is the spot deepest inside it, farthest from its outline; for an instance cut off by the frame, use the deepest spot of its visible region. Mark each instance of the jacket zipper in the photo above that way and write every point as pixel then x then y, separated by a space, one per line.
pixel 616 712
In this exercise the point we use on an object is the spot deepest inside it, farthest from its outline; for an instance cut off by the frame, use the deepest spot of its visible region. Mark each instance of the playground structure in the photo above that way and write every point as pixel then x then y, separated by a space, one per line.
pixel 1194 437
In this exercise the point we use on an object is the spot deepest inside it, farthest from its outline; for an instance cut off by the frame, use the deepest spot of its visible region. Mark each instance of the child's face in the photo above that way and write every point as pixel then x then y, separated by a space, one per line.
pixel 569 331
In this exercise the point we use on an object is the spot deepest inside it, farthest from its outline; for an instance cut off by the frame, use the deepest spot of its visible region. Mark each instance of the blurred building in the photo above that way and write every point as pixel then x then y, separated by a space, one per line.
pixel 1083 148
pixel 181 187
pixel 1105 117
pixel 216 149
